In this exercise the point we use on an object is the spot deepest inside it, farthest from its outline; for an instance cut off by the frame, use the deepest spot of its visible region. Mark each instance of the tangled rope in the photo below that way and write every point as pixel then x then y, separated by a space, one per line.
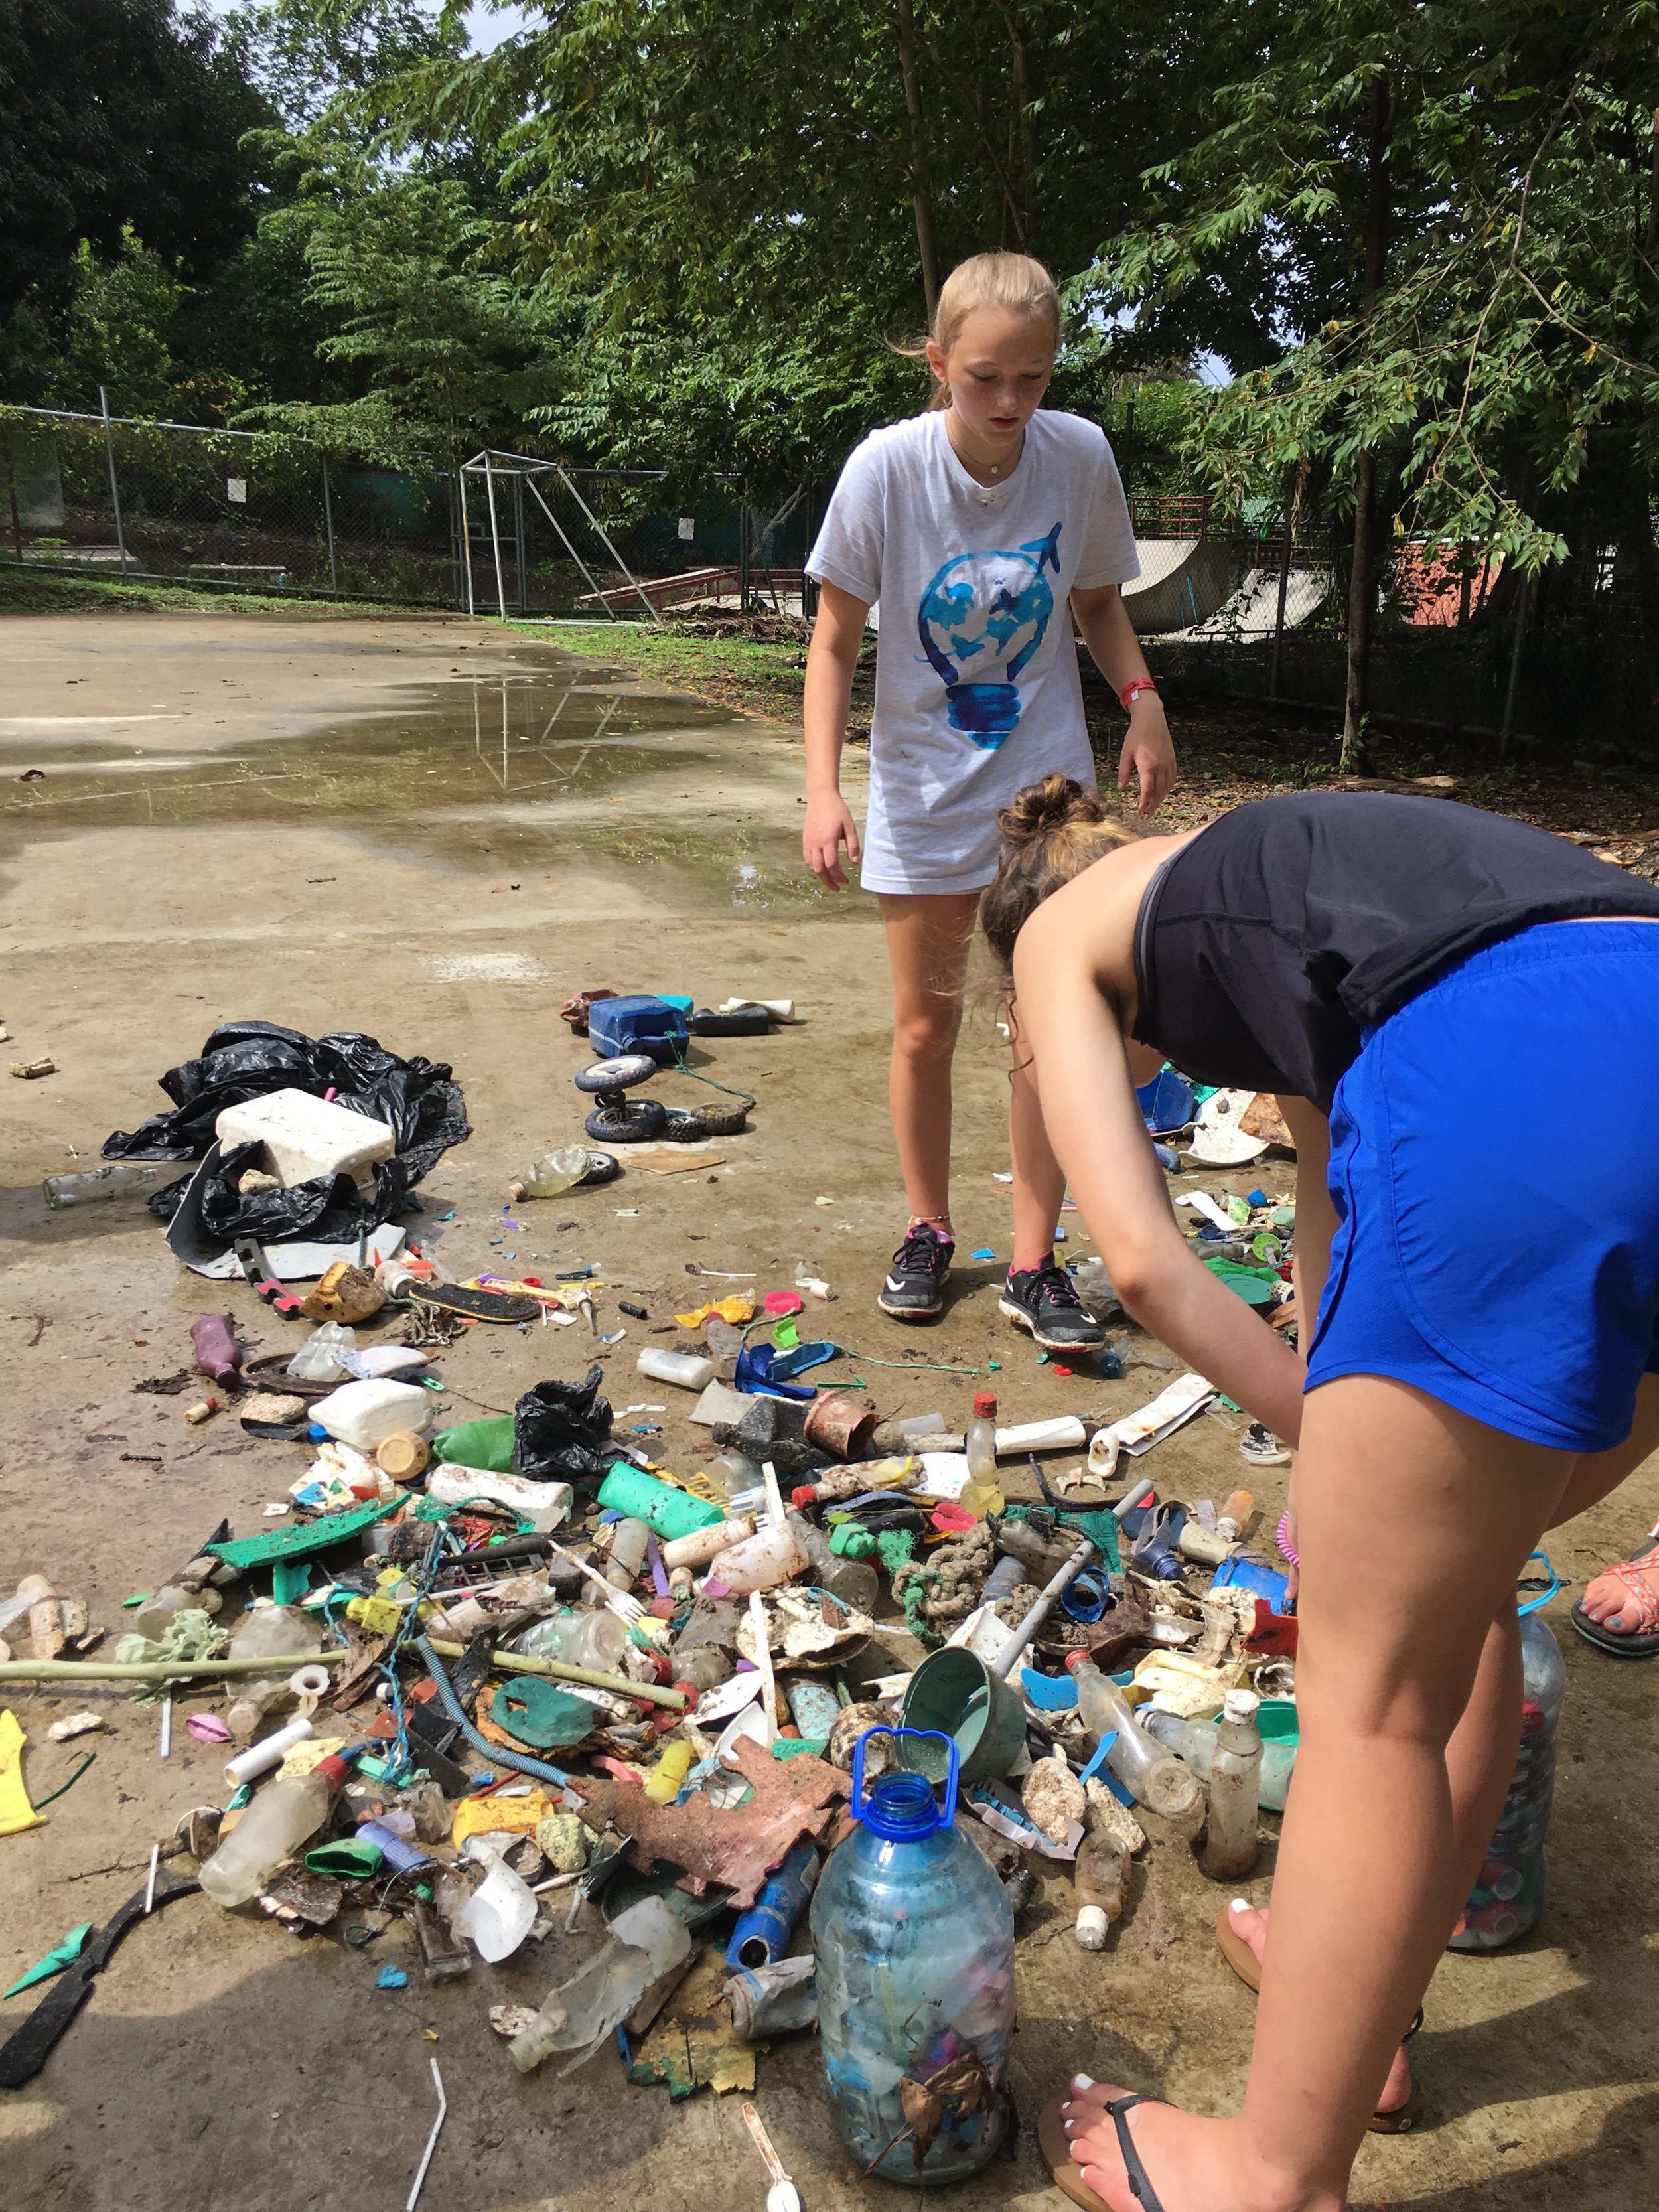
pixel 945 1590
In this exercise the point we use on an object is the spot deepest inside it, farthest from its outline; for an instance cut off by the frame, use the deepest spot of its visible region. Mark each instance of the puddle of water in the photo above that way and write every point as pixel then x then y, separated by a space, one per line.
pixel 480 776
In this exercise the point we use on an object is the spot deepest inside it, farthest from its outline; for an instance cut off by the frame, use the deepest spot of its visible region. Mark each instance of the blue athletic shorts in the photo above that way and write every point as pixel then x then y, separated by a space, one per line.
pixel 1495 1171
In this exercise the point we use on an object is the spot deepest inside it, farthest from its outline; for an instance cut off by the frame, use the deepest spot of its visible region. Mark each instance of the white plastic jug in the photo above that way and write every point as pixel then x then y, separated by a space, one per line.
pixel 760 1562
pixel 361 1414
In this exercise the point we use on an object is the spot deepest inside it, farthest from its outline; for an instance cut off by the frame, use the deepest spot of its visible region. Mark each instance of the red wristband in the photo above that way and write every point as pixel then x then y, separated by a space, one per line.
pixel 1133 689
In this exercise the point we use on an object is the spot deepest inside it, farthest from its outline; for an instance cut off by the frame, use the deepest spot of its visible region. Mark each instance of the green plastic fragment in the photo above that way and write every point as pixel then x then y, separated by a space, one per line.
pixel 995 1366
pixel 848 1541
pixel 55 1960
pixel 487 1444
pixel 143 1598
pixel 289 1580
pixel 346 1859
pixel 1256 1285
pixel 538 1712
pixel 303 1537
pixel 786 1335
pixel 794 1746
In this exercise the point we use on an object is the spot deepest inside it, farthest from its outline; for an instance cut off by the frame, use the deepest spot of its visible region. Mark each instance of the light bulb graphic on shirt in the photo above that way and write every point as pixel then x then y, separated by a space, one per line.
pixel 981 618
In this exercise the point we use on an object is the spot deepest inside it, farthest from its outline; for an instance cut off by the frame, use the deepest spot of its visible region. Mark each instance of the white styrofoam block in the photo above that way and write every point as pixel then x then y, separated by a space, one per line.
pixel 305 1137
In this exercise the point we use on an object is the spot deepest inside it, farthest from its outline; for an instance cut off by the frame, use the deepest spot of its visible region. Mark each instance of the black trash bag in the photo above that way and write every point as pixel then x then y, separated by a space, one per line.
pixel 246 1059
pixel 559 1432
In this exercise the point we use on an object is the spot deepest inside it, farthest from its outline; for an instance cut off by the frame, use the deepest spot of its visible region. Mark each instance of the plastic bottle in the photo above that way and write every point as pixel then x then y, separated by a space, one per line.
pixel 663 1506
pixel 851 1580
pixel 1229 1841
pixel 156 1616
pixel 733 1472
pixel 125 1179
pixel 1100 1884
pixel 597 1641
pixel 762 1561
pixel 317 1360
pixel 1151 1777
pixel 724 1343
pixel 280 1819
pixel 1508 1894
pixel 1194 1742
pixel 762 1933
pixel 686 1370
pixel 630 1542
pixel 1234 1517
pixel 646 1942
pixel 914 1941
pixel 555 1173
pixel 267 1630
pixel 981 1493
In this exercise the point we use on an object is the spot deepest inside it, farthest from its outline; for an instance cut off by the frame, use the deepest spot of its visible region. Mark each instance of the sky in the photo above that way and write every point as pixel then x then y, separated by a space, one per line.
pixel 488 27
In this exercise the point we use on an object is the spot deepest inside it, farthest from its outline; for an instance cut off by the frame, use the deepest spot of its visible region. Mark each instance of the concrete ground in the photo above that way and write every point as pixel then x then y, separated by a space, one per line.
pixel 434 832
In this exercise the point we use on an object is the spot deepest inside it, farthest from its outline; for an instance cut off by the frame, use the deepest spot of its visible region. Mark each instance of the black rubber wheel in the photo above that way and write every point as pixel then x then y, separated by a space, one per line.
pixel 633 1123
pixel 603 1167
pixel 682 1126
pixel 619 1074
pixel 722 1121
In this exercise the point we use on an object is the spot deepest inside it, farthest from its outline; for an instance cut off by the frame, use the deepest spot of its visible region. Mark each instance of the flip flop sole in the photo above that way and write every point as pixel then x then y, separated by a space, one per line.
pixel 1617 1647
pixel 1055 2146
pixel 1236 1952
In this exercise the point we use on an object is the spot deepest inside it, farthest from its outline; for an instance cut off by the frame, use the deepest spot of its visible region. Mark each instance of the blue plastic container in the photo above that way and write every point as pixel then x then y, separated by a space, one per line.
pixel 638 1025
pixel 913 1941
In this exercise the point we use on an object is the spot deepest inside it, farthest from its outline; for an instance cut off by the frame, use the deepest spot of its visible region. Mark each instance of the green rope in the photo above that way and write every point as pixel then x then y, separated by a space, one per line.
pixel 69 1784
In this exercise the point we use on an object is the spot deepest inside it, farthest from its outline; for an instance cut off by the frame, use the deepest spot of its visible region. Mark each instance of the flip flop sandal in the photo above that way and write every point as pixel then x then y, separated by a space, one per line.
pixel 480 1305
pixel 1243 1960
pixel 1640 1643
pixel 1403 2119
pixel 1055 2147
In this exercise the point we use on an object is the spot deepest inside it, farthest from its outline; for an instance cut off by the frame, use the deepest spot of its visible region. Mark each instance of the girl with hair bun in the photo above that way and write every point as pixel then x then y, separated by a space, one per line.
pixel 1375 962
pixel 984 527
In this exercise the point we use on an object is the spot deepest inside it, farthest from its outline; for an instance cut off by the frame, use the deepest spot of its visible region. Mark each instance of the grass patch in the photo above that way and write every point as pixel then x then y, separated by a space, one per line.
pixel 754 678
pixel 30 590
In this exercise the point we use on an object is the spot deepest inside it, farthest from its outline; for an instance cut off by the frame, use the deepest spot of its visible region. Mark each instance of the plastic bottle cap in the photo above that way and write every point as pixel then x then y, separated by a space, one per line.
pixel 1238 1705
pixel 984 1406
pixel 1091 1927
pixel 1076 1659
pixel 338 1770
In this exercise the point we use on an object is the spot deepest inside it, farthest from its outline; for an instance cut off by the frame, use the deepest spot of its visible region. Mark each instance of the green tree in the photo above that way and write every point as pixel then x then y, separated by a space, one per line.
pixel 1458 202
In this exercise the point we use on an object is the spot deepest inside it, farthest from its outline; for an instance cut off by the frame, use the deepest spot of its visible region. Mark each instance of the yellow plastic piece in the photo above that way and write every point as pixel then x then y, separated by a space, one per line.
pixel 1176 1682
pixel 663 1785
pixel 16 1813
pixel 486 1816
pixel 308 1754
pixel 736 1310
pixel 377 1614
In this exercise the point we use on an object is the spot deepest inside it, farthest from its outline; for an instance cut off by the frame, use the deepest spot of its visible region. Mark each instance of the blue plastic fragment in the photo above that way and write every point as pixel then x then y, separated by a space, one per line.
pixel 985 1252
pixel 1050 1693
pixel 1256 1197
pixel 391 1977
pixel 1167 1103
pixel 1240 1573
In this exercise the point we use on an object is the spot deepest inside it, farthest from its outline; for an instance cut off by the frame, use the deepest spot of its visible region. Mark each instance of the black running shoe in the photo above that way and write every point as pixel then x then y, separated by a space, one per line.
pixel 914 1289
pixel 1043 1302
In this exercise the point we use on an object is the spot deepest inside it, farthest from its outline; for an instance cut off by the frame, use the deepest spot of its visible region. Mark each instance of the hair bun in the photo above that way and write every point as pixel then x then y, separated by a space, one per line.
pixel 1041 809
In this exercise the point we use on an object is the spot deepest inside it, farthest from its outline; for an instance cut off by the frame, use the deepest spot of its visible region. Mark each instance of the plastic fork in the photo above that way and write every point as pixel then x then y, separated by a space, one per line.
pixel 782 2195
pixel 626 1608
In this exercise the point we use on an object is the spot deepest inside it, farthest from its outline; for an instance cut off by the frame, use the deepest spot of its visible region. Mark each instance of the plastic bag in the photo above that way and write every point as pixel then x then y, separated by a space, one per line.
pixel 250 1059
pixel 560 1431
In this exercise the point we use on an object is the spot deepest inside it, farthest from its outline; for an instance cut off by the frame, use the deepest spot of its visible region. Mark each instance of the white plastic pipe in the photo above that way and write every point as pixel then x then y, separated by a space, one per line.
pixel 248 1764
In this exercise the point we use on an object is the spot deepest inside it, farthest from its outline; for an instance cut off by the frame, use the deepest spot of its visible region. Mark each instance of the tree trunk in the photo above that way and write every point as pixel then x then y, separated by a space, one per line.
pixel 927 251
pixel 1361 582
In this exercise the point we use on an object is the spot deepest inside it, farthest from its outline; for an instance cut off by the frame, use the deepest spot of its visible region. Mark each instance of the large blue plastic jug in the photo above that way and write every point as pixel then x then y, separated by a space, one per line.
pixel 913 1941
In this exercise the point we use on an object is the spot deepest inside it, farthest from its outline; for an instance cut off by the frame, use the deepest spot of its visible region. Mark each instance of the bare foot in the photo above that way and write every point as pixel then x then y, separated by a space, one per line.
pixel 1249 1924
pixel 1193 2165
pixel 1625 1599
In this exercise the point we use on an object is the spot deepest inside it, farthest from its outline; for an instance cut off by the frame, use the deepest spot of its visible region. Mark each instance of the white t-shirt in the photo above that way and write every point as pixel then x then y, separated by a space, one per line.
pixel 977 692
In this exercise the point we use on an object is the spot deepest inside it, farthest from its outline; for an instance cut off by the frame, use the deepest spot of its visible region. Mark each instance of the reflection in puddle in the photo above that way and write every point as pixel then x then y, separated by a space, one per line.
pixel 494 771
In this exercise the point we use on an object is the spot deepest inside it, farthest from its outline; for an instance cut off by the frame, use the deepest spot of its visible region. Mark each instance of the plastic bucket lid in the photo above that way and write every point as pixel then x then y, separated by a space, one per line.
pixel 955 1693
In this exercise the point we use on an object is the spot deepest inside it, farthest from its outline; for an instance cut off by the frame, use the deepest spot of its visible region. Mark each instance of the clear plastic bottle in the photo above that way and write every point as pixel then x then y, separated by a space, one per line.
pixel 851 1580
pixel 275 1825
pixel 626 1554
pixel 1100 1883
pixel 1151 1777
pixel 1194 1742
pixel 1229 1841
pixel 597 1641
pixel 555 1173
pixel 157 1615
pixel 267 1631
pixel 685 1369
pixel 913 1941
pixel 982 1494
pixel 724 1343
pixel 123 1179
pixel 1508 1893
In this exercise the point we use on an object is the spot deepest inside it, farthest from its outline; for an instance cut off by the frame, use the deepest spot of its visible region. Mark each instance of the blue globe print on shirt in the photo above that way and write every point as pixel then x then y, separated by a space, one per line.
pixel 981 618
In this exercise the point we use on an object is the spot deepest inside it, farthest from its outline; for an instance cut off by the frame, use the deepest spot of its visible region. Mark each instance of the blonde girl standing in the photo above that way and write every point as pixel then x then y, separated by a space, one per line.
pixel 984 527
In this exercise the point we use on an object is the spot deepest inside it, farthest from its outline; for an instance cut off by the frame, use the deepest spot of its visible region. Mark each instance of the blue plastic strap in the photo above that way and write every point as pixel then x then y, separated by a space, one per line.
pixel 952 1773
pixel 1552 1587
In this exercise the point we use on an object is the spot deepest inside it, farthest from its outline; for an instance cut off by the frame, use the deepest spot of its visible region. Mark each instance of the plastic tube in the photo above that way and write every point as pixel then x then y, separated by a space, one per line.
pixel 519 1663
pixel 498 1756
pixel 262 1757
pixel 158 1670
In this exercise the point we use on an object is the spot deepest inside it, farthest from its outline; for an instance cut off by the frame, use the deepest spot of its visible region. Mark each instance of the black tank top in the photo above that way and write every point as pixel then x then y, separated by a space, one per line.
pixel 1267 947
